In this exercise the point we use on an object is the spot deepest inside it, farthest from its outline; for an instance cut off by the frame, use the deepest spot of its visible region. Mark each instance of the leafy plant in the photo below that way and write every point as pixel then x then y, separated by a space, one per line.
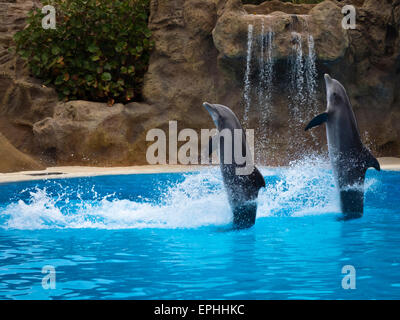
pixel 293 1
pixel 99 50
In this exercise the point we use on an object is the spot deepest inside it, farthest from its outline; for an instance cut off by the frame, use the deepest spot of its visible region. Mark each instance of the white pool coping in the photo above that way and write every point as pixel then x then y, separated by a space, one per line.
pixel 391 164
pixel 81 171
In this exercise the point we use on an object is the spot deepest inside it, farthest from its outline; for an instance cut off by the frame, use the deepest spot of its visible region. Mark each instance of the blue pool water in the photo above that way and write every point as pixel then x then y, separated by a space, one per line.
pixel 166 236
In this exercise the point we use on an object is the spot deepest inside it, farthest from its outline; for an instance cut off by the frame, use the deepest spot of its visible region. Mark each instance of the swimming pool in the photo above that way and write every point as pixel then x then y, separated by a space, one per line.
pixel 167 236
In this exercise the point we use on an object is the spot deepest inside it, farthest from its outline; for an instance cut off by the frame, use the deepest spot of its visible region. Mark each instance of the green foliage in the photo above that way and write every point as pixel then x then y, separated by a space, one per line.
pixel 293 1
pixel 304 1
pixel 99 51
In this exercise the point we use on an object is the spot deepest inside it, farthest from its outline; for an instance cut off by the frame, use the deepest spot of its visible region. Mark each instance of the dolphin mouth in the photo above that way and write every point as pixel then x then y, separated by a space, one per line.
pixel 208 106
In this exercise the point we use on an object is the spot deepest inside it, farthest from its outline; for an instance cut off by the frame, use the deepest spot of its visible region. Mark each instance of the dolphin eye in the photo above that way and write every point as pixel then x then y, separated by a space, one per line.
pixel 336 98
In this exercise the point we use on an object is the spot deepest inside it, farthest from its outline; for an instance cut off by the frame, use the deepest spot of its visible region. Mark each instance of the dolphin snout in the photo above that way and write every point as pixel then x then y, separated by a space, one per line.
pixel 210 108
pixel 207 105
pixel 327 78
pixel 212 111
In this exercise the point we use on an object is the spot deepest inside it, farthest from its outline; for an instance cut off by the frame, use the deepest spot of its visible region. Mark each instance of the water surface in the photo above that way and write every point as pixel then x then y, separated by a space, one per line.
pixel 167 236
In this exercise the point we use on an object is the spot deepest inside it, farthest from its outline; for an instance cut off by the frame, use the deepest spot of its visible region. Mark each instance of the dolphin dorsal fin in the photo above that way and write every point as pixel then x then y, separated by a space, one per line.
pixel 258 178
pixel 318 120
pixel 370 160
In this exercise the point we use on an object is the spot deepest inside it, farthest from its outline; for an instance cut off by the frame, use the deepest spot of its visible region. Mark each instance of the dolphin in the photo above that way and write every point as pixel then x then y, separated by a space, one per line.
pixel 350 159
pixel 242 189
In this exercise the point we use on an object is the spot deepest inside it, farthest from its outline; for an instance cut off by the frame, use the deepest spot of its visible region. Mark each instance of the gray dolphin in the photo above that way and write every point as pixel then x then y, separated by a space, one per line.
pixel 350 159
pixel 242 189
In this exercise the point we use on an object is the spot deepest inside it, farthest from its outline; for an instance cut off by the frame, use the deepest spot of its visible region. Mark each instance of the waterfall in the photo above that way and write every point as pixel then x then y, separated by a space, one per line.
pixel 260 89
pixel 303 74
pixel 263 82
pixel 258 79
pixel 297 75
pixel 311 73
pixel 266 74
pixel 265 88
pixel 247 84
pixel 262 66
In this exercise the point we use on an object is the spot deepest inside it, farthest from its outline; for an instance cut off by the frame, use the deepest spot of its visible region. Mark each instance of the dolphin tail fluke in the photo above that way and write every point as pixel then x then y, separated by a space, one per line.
pixel 318 120
pixel 370 160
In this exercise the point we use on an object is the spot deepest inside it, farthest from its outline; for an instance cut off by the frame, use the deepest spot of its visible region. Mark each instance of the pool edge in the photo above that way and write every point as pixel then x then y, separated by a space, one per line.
pixel 387 164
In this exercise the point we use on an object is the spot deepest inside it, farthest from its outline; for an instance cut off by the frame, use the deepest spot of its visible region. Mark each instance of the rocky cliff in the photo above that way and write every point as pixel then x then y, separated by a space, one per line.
pixel 206 51
pixel 14 160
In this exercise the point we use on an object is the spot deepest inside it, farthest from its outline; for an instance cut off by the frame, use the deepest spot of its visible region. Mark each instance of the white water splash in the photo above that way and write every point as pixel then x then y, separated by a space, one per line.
pixel 305 188
pixel 195 202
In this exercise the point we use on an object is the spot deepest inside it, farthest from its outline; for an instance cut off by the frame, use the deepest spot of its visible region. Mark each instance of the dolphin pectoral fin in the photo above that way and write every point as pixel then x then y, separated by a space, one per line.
pixel 371 161
pixel 258 178
pixel 318 120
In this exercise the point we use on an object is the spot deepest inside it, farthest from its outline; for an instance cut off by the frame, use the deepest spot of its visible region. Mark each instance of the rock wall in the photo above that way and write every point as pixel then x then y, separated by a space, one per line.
pixel 14 160
pixel 200 55
pixel 90 133
pixel 23 100
pixel 201 51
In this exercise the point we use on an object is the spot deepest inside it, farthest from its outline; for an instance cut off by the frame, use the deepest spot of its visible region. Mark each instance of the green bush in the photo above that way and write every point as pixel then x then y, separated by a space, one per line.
pixel 294 1
pixel 99 51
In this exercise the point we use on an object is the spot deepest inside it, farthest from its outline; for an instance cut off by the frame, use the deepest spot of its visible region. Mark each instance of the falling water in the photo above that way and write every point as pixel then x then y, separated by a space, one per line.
pixel 262 66
pixel 266 74
pixel 247 84
pixel 265 87
pixel 311 77
pixel 297 79
pixel 303 74
pixel 311 73
pixel 259 79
